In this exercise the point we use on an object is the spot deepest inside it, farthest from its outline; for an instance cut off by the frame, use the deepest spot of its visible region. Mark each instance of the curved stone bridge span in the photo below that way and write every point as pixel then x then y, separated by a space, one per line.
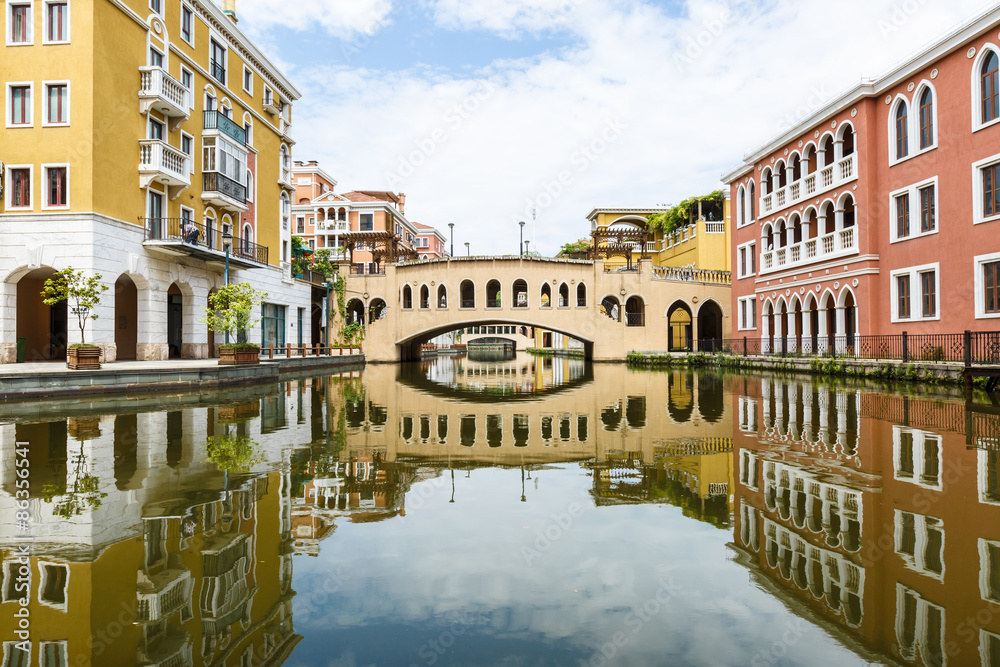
pixel 613 313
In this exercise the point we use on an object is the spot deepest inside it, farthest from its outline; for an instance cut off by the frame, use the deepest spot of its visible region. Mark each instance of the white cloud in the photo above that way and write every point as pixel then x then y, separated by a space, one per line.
pixel 343 18
pixel 692 95
pixel 507 17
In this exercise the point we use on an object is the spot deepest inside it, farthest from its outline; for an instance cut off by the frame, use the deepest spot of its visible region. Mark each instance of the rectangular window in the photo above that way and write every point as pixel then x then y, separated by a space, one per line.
pixel 187 24
pixel 20 105
pixel 155 129
pixel 928 282
pixel 57 22
pixel 903 215
pixel 57 104
pixel 187 80
pixel 927 213
pixel 53 654
pixel 20 23
pixel 15 656
pixel 367 222
pixel 903 296
pixel 991 190
pixel 155 58
pixel 187 145
pixel 156 6
pixel 743 261
pixel 20 188
pixel 217 62
pixel 56 187
pixel 273 325
pixel 248 79
pixel 991 285
pixel 300 225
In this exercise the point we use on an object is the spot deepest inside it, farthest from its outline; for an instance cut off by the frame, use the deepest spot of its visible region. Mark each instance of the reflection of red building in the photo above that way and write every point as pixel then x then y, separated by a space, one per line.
pixel 871 511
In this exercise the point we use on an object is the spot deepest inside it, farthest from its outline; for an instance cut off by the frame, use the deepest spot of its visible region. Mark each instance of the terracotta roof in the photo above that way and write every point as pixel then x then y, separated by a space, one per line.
pixel 421 226
pixel 359 196
pixel 381 195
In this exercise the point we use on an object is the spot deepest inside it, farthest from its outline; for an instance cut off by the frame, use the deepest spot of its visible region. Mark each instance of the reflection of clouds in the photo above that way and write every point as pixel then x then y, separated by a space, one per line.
pixel 463 561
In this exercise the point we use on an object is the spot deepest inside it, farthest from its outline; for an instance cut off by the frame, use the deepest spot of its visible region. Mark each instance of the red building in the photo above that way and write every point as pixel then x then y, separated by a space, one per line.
pixel 880 213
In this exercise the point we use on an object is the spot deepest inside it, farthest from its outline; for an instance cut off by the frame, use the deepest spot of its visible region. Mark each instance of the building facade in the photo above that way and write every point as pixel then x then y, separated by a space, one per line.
pixel 879 213
pixel 311 182
pixel 430 242
pixel 141 139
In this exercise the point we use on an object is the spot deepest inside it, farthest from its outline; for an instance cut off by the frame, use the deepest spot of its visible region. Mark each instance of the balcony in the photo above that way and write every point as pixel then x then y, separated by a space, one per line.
pixel 224 192
pixel 285 179
pixel 271 104
pixel 333 226
pixel 161 92
pixel 216 120
pixel 828 246
pixel 177 236
pixel 159 162
pixel 218 71
pixel 829 177
pixel 285 130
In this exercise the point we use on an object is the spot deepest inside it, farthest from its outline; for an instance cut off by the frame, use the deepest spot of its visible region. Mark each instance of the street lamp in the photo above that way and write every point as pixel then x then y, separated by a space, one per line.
pixel 526 247
pixel 451 232
pixel 227 242
pixel 521 246
pixel 467 251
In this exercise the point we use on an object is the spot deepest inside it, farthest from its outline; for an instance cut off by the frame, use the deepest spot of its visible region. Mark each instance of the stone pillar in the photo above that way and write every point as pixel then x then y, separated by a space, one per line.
pixel 790 331
pixel 807 331
pixel 8 323
pixel 822 342
pixel 841 332
pixel 838 217
pixel 838 150
pixel 805 230
pixel 765 327
pixel 778 331
pixel 151 344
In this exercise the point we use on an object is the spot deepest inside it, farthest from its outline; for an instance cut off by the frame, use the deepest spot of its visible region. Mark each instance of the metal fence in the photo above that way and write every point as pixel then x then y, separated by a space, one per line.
pixel 969 348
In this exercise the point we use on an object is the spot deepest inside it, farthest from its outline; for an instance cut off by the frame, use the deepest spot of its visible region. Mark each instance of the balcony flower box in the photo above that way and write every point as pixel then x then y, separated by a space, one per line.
pixel 83 357
pixel 239 354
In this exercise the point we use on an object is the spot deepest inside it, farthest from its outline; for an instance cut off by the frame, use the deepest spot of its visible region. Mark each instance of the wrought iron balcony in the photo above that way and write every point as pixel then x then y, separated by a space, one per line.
pixel 216 120
pixel 162 92
pixel 160 162
pixel 180 236
pixel 223 191
pixel 218 71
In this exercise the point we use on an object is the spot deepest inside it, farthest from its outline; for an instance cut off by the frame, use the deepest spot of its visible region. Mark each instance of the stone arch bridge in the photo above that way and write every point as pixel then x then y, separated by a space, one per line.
pixel 612 312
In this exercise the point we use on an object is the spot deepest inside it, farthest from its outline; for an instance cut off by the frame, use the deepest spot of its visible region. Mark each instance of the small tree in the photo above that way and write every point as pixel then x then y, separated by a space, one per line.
pixel 233 453
pixel 322 264
pixel 83 294
pixel 231 309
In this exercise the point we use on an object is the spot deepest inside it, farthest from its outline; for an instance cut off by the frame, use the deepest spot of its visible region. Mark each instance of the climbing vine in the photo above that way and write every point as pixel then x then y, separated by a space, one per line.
pixel 682 215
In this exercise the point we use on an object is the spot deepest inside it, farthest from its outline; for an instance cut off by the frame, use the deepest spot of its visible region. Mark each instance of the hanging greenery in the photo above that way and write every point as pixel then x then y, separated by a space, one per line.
pixel 677 217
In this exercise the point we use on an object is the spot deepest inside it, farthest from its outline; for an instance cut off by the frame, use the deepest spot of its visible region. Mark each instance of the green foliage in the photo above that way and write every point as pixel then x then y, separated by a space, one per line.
pixel 240 347
pixel 684 214
pixel 547 352
pixel 299 265
pixel 82 294
pixel 353 331
pixel 299 247
pixel 71 501
pixel 231 309
pixel 233 453
pixel 322 263
pixel 581 245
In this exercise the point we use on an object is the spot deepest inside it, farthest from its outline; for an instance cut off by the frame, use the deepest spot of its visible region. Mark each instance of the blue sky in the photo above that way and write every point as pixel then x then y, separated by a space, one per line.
pixel 484 110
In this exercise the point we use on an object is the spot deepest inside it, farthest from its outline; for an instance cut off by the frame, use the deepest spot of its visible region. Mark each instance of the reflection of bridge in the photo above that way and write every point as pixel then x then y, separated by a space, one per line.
pixel 613 313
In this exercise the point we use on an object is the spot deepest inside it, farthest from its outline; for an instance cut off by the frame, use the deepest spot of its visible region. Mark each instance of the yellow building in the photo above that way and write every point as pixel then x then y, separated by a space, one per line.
pixel 141 138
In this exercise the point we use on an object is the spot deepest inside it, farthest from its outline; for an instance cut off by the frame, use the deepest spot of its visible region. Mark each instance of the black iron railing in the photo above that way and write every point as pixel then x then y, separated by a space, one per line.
pixel 216 120
pixel 218 71
pixel 635 319
pixel 494 303
pixel 197 235
pixel 216 182
pixel 468 303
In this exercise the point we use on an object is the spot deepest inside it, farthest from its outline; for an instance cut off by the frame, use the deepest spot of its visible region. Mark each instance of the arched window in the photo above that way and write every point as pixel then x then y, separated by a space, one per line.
pixel 286 164
pixel 425 297
pixel 247 238
pixel 741 207
pixel 581 296
pixel 765 181
pixel 467 290
pixel 546 296
pixel 250 186
pixel 926 119
pixel 753 203
pixel 564 296
pixel 902 144
pixel 847 141
pixel 519 294
pixel 286 210
pixel 493 295
pixel 442 296
pixel 407 297
pixel 991 96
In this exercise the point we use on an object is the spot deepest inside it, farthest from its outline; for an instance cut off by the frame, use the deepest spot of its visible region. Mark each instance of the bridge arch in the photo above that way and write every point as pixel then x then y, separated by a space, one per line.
pixel 409 347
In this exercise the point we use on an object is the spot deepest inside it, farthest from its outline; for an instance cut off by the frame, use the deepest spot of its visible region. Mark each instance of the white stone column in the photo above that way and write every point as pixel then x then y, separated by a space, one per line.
pixel 822 341
pixel 152 325
pixel 790 331
pixel 838 219
pixel 838 150
pixel 841 333
pixel 765 327
pixel 778 331
pixel 807 331
pixel 805 231
pixel 8 323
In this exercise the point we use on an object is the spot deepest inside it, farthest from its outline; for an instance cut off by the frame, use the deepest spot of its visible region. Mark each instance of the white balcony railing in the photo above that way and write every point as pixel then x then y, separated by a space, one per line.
pixel 827 178
pixel 285 179
pixel 162 92
pixel 160 162
pixel 838 243
pixel 715 228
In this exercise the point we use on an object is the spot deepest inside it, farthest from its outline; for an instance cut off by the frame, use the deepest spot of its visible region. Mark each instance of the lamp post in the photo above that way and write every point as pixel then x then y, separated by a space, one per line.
pixel 521 246
pixel 227 242
pixel 467 251
pixel 526 247
pixel 451 232
pixel 326 322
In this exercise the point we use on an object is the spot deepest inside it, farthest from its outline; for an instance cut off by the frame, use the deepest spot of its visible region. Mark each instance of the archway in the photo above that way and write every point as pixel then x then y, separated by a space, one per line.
pixel 709 326
pixel 546 296
pixel 126 318
pixel 355 311
pixel 635 312
pixel 376 310
pixel 519 294
pixel 43 329
pixel 425 297
pixel 175 322
pixel 493 294
pixel 407 297
pixel 581 295
pixel 610 307
pixel 468 292
pixel 680 322
pixel 442 298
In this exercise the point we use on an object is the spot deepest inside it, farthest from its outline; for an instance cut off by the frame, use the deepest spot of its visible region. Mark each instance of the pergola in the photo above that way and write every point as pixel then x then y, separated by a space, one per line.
pixel 608 243
pixel 386 247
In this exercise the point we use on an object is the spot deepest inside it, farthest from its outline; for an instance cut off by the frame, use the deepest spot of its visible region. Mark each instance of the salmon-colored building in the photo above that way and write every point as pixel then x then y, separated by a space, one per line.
pixel 430 242
pixel 880 213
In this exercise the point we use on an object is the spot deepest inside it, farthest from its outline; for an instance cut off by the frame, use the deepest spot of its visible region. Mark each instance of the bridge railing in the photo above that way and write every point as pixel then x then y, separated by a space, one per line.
pixel 688 275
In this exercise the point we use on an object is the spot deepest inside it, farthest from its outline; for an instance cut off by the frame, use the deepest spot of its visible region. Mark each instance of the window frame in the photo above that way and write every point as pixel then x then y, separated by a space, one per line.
pixel 191 155
pixel 43 580
pixel 9 188
pixel 156 6
pixel 9 110
pixel 46 23
pixel 978 195
pixel 922 526
pixel 979 280
pixel 916 287
pixel 67 104
pixel 913 193
pixel 9 19
pixel 46 206
pixel 751 259
pixel 747 315
pixel 186 7
pixel 932 125
pixel 243 84
pixel 900 140
pixel 977 90
pixel 213 41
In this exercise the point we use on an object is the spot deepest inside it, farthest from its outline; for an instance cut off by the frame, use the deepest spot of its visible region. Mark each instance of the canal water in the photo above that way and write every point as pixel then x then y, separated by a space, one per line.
pixel 503 512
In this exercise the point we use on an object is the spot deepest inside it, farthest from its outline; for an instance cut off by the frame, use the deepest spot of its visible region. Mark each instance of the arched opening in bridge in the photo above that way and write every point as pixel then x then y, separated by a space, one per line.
pixel 679 320
pixel 425 297
pixel 355 311
pixel 442 297
pixel 493 294
pixel 468 292
pixel 610 307
pixel 635 312
pixel 564 296
pixel 377 310
pixel 546 296
pixel 709 326
pixel 407 297
pixel 520 294
pixel 581 295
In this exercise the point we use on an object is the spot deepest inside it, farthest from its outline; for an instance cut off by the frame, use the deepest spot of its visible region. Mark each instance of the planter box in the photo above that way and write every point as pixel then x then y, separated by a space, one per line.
pixel 232 414
pixel 84 358
pixel 231 357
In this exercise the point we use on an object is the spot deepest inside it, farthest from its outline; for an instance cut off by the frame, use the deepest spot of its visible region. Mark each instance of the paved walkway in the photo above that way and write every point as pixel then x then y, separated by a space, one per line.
pixel 51 367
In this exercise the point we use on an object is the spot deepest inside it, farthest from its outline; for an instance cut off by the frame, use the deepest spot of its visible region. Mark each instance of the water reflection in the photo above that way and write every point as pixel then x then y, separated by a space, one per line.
pixel 557 494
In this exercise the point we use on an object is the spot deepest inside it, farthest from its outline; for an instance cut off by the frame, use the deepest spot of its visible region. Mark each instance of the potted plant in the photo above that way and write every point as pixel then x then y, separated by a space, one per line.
pixel 230 310
pixel 83 296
